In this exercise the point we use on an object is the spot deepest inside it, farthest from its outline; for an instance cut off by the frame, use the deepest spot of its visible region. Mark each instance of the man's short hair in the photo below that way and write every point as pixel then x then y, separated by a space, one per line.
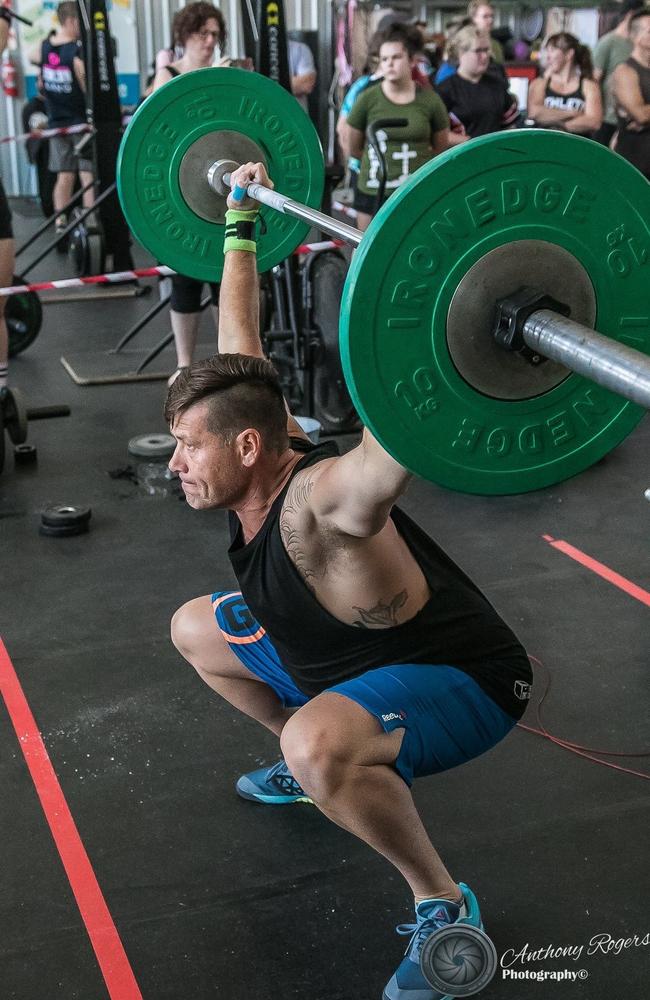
pixel 474 5
pixel 635 20
pixel 241 391
pixel 67 10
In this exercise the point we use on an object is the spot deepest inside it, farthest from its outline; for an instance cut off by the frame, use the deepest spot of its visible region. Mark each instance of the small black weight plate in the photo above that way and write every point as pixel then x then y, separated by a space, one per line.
pixel 25 454
pixel 65 515
pixel 63 531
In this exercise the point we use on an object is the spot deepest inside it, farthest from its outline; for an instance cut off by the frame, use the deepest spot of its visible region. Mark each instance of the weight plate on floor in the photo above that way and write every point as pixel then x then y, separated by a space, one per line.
pixel 152 446
pixel 167 134
pixel 24 316
pixel 13 414
pixel 25 454
pixel 65 515
pixel 63 530
pixel 399 313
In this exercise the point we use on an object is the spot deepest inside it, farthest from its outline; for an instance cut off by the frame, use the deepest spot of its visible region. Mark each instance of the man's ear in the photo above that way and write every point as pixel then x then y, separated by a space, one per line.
pixel 249 446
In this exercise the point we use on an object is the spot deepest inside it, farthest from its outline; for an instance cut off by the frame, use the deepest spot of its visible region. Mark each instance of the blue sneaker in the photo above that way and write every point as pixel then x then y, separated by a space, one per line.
pixel 408 983
pixel 275 786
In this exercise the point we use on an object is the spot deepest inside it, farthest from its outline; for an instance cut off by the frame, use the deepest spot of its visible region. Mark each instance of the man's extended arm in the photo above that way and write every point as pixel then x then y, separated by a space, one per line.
pixel 239 297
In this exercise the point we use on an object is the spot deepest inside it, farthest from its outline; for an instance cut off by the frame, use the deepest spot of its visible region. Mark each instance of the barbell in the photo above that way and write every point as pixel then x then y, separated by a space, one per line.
pixel 467 320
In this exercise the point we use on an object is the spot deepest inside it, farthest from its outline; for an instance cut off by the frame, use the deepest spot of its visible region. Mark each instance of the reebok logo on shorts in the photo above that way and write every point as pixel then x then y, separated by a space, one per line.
pixel 391 716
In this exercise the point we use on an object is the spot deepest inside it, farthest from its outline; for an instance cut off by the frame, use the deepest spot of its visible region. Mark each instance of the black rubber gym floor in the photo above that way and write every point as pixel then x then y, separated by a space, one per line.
pixel 212 896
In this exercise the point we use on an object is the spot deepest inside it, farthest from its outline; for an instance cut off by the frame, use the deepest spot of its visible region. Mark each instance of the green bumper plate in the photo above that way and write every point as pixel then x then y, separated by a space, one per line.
pixel 527 185
pixel 173 137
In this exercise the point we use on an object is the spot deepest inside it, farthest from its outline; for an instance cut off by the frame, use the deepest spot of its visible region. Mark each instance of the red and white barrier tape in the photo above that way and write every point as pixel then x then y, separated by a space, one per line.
pixel 323 245
pixel 338 206
pixel 96 279
pixel 47 133
pixel 117 277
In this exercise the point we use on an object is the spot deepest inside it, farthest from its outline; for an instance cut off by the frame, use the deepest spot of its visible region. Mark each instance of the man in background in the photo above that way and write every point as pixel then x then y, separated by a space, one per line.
pixel 612 50
pixel 303 72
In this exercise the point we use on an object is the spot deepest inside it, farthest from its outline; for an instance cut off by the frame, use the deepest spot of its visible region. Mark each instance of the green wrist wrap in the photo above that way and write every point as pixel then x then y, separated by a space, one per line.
pixel 240 230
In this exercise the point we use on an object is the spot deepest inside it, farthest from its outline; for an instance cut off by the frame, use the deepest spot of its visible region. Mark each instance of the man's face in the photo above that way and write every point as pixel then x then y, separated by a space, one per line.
pixel 484 17
pixel 210 471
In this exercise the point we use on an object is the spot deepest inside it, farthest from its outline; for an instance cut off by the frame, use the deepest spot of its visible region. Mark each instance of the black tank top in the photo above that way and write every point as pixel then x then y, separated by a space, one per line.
pixel 64 99
pixel 635 146
pixel 457 626
pixel 173 71
pixel 574 101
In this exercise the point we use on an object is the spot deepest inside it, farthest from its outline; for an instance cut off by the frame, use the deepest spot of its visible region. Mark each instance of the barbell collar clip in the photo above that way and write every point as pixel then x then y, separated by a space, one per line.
pixel 513 310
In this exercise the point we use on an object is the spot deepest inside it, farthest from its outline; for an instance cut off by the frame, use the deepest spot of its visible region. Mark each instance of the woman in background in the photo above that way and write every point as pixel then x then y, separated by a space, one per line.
pixel 199 29
pixel 566 97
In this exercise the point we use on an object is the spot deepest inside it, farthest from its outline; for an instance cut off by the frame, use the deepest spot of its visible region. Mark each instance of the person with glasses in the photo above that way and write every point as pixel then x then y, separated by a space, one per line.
pixel 566 97
pixel 479 99
pixel 199 29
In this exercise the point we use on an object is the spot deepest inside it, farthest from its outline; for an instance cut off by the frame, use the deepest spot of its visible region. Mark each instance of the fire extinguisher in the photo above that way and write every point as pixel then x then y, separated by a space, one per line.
pixel 9 76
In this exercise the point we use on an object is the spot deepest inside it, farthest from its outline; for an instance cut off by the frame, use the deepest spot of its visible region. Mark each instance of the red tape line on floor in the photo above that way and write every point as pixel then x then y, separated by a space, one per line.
pixel 95 914
pixel 600 569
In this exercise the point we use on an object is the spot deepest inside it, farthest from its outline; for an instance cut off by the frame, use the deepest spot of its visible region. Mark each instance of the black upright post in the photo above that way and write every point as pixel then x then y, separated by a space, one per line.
pixel 105 115
pixel 265 38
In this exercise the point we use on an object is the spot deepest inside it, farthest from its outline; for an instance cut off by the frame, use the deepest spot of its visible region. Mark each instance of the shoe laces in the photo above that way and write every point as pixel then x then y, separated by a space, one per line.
pixel 422 929
pixel 282 777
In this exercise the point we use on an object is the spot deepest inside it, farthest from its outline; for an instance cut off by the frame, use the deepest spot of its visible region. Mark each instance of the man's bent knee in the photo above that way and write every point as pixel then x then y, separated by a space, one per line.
pixel 312 758
pixel 192 626
pixel 198 639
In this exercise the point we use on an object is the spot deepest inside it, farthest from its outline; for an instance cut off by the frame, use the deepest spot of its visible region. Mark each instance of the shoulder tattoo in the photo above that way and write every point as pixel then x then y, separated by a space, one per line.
pixel 295 501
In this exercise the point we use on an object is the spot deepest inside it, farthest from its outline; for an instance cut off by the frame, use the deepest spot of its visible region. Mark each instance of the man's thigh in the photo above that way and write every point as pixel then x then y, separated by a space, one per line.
pixel 446 717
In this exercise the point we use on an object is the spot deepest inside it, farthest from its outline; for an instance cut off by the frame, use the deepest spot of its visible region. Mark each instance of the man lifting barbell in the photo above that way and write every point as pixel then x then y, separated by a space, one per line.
pixel 353 637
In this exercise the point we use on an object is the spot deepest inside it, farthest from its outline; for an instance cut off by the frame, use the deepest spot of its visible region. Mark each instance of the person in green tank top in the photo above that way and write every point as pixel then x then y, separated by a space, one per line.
pixel 425 134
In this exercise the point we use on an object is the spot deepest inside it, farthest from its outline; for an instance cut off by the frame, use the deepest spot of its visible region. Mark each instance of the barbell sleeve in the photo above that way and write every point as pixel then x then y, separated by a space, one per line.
pixel 605 361
pixel 281 203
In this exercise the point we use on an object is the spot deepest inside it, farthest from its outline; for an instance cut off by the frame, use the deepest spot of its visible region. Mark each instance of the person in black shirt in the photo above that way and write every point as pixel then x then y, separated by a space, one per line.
pixel 352 636
pixel 631 90
pixel 63 84
pixel 566 97
pixel 479 98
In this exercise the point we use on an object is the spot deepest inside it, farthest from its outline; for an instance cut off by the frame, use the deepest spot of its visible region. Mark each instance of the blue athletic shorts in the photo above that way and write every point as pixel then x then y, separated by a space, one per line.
pixel 448 719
